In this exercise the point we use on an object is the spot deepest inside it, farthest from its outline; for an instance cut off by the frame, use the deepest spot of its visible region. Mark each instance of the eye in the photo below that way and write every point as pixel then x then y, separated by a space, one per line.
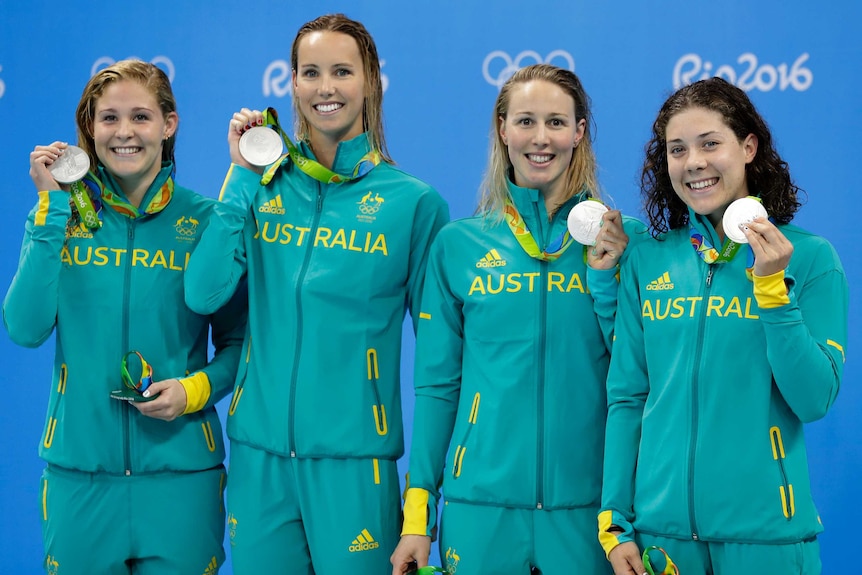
pixel 309 73
pixel 141 117
pixel 341 72
pixel 524 121
pixel 557 123
pixel 109 118
pixel 675 150
pixel 710 144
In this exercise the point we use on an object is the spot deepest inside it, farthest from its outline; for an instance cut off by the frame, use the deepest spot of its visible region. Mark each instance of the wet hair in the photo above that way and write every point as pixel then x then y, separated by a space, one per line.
pixel 581 174
pixel 147 75
pixel 767 175
pixel 372 108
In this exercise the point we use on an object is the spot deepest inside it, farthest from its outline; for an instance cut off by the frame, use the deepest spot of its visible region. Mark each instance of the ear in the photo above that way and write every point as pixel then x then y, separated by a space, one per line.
pixel 172 122
pixel 749 145
pixel 293 82
pixel 501 124
pixel 579 132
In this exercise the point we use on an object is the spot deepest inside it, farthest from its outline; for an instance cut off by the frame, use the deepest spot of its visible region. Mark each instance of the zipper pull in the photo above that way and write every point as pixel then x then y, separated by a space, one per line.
pixel 709 275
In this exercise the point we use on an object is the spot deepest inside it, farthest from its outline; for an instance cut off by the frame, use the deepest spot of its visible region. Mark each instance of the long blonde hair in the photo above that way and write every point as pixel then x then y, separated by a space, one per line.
pixel 581 174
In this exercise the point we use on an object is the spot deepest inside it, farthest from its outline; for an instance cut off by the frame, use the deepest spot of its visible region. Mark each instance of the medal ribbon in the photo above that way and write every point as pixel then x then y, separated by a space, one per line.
pixel 146 373
pixel 311 167
pixel 158 203
pixel 528 243
pixel 712 256
pixel 670 567
pixel 87 209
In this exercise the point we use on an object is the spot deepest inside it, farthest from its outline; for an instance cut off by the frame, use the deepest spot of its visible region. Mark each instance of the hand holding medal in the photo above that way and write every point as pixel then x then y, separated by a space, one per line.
pixel 600 230
pixel 137 376
pixel 62 163
pixel 738 215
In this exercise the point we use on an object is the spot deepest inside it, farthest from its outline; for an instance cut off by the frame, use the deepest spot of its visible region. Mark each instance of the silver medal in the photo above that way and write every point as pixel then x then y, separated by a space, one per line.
pixel 739 213
pixel 260 146
pixel 584 221
pixel 72 165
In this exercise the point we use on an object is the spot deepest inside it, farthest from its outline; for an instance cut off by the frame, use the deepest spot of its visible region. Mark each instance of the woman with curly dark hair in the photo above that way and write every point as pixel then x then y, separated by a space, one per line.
pixel 723 351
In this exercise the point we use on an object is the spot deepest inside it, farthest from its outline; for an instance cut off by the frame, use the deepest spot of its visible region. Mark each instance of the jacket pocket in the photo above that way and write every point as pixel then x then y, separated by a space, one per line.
pixel 378 409
pixel 240 381
pixel 461 448
pixel 51 424
pixel 785 489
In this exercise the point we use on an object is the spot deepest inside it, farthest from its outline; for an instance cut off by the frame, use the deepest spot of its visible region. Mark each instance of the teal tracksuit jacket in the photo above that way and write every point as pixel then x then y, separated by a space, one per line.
pixel 511 360
pixel 106 293
pixel 710 386
pixel 331 269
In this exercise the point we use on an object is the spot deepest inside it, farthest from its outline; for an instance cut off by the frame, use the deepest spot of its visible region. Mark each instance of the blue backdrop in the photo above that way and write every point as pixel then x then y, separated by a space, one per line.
pixel 443 62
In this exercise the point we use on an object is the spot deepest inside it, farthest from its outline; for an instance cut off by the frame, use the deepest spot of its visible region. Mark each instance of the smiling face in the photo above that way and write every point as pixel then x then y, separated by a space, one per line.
pixel 129 131
pixel 706 162
pixel 329 83
pixel 540 132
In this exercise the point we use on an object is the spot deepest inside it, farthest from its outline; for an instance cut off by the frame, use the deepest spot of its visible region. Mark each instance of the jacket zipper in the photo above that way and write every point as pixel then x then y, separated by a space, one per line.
pixel 692 446
pixel 291 433
pixel 124 405
pixel 540 371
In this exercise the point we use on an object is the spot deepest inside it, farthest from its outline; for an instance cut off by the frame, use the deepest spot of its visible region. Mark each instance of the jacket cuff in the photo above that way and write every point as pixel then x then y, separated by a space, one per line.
pixel 420 512
pixel 198 391
pixel 771 291
pixel 610 539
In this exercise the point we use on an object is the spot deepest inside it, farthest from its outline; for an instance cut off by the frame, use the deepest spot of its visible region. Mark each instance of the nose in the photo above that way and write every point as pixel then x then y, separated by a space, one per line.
pixel 540 136
pixel 325 87
pixel 695 161
pixel 125 129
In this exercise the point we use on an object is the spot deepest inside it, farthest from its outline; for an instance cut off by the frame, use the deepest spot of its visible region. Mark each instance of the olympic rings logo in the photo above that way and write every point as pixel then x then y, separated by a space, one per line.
pixel 91 219
pixel 365 209
pixel 163 62
pixel 525 58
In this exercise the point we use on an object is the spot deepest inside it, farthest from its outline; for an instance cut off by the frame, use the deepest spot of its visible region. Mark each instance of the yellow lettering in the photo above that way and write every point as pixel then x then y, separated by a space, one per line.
pixel 748 314
pixel 532 276
pixel 491 285
pixel 159 259
pixel 677 306
pixel 694 301
pixel 733 307
pixel 285 232
pixel 575 284
pixel 556 279
pixel 64 256
pixel 119 253
pixel 379 244
pixel 352 247
pixel 647 310
pixel 477 285
pixel 263 232
pixel 141 255
pixel 662 316
pixel 714 303
pixel 339 239
pixel 513 281
pixel 78 261
pixel 322 236
pixel 101 256
pixel 302 232
pixel 172 265
pixel 257 229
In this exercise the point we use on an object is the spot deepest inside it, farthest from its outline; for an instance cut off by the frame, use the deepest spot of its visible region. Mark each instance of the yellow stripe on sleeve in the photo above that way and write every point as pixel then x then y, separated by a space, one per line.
pixel 839 347
pixel 42 211
pixel 770 291
pixel 198 391
pixel 224 184
pixel 423 315
pixel 415 512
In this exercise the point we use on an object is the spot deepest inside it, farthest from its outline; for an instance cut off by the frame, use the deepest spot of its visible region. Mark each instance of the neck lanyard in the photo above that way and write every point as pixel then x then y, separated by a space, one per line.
pixel 711 255
pixel 89 194
pixel 528 243
pixel 311 167
pixel 670 567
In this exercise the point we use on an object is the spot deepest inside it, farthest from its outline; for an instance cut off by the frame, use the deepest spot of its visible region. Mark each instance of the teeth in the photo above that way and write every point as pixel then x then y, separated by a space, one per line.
pixel 703 184
pixel 539 158
pixel 327 107
pixel 126 150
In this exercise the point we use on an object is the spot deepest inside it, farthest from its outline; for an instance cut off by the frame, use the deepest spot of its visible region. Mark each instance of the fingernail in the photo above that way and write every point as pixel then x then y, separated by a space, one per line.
pixel 594 251
pixel 147 393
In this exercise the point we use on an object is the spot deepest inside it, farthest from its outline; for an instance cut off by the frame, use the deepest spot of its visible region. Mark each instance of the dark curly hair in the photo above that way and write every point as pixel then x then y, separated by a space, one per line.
pixel 767 175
